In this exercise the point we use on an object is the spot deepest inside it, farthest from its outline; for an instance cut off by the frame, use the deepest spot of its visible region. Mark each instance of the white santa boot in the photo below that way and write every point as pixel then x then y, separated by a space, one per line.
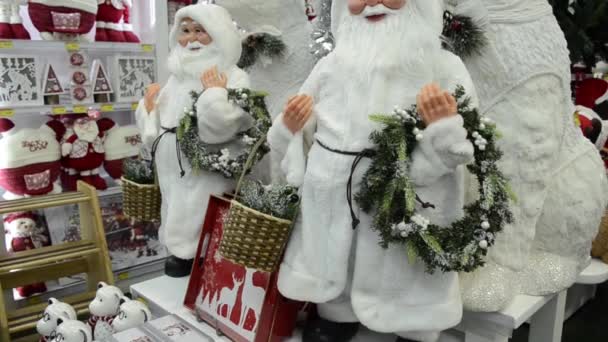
pixel 5 15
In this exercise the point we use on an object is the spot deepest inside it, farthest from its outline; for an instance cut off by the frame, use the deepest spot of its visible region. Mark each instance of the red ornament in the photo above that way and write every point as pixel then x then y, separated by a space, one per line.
pixel 77 59
pixel 80 93
pixel 79 77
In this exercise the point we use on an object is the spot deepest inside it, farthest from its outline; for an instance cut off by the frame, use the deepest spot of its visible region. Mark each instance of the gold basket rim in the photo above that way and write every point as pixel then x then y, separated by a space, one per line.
pixel 123 179
pixel 259 213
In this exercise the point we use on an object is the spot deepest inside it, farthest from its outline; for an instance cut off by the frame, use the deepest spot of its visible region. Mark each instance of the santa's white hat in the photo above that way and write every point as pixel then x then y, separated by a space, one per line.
pixel 28 146
pixel 218 23
pixel 89 6
pixel 432 10
pixel 256 16
pixel 123 142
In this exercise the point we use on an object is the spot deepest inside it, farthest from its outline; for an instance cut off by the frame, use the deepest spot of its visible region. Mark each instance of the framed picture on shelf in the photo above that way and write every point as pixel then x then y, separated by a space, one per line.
pixel 131 77
pixel 19 84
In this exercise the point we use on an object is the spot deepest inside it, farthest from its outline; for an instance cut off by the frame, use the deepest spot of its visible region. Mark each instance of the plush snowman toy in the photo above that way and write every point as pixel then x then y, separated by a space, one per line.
pixel 54 311
pixel 133 313
pixel 104 308
pixel 72 331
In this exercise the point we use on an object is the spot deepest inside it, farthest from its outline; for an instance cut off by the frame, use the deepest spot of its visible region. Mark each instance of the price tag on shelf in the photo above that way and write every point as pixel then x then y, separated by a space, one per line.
pixel 147 47
pixel 142 299
pixel 6 44
pixel 72 47
pixel 123 276
pixel 107 108
pixel 80 109
pixel 6 113
pixel 59 110
pixel 134 105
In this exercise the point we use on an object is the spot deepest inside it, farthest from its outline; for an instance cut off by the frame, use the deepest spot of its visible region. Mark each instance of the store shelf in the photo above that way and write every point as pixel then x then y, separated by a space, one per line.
pixel 50 46
pixel 67 109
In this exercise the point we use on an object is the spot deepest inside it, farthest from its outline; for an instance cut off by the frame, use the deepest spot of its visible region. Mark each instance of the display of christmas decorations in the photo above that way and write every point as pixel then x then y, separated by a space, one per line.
pixel 72 331
pixel 23 236
pixel 83 150
pixel 121 143
pixel 51 87
pixel 54 311
pixel 104 308
pixel 102 86
pixel 19 83
pixel 11 23
pixel 113 22
pixel 200 154
pixel 81 87
pixel 529 98
pixel 389 193
pixel 29 159
pixel 132 75
pixel 63 19
pixel 132 313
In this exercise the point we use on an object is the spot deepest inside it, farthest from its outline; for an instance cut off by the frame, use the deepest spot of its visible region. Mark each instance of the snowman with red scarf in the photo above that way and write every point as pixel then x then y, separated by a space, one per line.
pixel 22 236
pixel 83 151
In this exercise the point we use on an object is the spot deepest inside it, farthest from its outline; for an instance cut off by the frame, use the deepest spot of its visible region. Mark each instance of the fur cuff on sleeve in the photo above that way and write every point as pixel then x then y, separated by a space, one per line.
pixel 294 162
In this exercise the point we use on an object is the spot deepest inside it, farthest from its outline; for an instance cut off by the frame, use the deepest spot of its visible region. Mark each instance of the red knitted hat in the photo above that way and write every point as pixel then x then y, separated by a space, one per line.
pixel 590 91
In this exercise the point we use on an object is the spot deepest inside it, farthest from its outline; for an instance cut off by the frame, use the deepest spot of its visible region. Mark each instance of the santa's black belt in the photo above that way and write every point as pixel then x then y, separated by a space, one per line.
pixel 178 149
pixel 367 153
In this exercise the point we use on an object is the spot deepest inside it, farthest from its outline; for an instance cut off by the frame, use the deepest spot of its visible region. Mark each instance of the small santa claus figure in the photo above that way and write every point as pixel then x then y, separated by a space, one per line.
pixel 592 113
pixel 22 236
pixel 63 19
pixel 84 152
pixel 113 22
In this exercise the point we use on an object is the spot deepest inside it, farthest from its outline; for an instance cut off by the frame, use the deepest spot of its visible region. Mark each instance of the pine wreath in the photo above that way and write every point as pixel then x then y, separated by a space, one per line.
pixel 202 156
pixel 387 190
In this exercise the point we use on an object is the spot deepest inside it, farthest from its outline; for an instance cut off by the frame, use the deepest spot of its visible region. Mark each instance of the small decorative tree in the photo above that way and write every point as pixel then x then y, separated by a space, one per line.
pixel 51 86
pixel 102 87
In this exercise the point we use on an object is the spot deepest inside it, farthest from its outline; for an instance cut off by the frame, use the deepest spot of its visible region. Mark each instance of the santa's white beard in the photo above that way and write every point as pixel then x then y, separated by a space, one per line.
pixel 401 43
pixel 186 63
pixel 87 132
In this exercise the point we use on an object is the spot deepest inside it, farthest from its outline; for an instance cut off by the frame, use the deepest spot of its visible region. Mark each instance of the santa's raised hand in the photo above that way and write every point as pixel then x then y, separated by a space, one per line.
pixel 150 96
pixel 213 79
pixel 435 104
pixel 297 112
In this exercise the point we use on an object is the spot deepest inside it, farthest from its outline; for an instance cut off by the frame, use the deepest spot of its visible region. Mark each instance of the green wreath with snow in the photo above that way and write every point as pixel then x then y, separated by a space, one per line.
pixel 202 156
pixel 388 193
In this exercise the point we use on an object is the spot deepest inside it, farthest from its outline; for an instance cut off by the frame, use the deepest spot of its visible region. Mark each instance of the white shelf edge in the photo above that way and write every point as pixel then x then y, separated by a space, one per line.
pixel 23 45
pixel 69 109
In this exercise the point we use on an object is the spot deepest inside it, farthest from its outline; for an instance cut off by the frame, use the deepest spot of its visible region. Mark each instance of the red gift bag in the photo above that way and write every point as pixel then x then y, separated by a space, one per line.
pixel 242 303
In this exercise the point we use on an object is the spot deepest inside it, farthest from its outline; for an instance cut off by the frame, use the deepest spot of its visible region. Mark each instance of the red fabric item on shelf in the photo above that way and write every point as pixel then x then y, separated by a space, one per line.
pixel 115 36
pixel 19 32
pixel 42 18
pixel 114 168
pixel 14 181
pixel 108 13
pixel 130 36
pixel 101 35
pixel 5 31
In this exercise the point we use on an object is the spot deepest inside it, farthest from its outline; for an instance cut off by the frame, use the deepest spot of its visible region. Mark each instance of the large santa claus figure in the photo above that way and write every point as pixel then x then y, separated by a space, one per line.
pixel 388 53
pixel 205 47
pixel 556 174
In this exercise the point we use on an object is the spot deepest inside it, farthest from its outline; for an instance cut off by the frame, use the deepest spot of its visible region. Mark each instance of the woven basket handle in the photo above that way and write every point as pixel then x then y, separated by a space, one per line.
pixel 248 163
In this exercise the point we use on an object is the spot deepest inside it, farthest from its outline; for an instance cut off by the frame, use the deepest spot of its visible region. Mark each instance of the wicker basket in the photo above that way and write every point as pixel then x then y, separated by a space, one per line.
pixel 141 201
pixel 251 238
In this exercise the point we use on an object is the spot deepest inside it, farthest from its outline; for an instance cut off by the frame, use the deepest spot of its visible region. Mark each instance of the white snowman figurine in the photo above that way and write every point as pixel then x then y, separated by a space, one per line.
pixel 48 323
pixel 104 308
pixel 133 313
pixel 72 331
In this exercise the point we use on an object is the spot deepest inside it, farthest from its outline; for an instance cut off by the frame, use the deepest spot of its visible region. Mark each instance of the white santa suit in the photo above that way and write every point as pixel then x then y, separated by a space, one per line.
pixel 523 81
pixel 184 199
pixel 346 270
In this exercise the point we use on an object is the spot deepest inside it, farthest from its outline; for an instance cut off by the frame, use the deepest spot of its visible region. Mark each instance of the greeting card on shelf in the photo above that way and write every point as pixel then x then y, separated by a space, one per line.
pixel 132 75
pixel 242 303
pixel 19 84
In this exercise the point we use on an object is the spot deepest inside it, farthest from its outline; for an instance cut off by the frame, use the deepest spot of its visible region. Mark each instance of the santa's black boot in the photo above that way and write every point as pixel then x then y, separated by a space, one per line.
pixel 321 330
pixel 178 268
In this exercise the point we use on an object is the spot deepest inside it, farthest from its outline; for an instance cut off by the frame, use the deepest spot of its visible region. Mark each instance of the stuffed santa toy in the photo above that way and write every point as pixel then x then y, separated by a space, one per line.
pixel 113 22
pixel 592 113
pixel 29 159
pixel 83 151
pixel 63 19
pixel 121 143
pixel 23 236
pixel 11 24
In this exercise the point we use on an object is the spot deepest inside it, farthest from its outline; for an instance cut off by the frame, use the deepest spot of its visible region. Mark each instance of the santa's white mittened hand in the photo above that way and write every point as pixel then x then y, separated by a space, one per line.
pixel 435 104
pixel 213 79
pixel 297 112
